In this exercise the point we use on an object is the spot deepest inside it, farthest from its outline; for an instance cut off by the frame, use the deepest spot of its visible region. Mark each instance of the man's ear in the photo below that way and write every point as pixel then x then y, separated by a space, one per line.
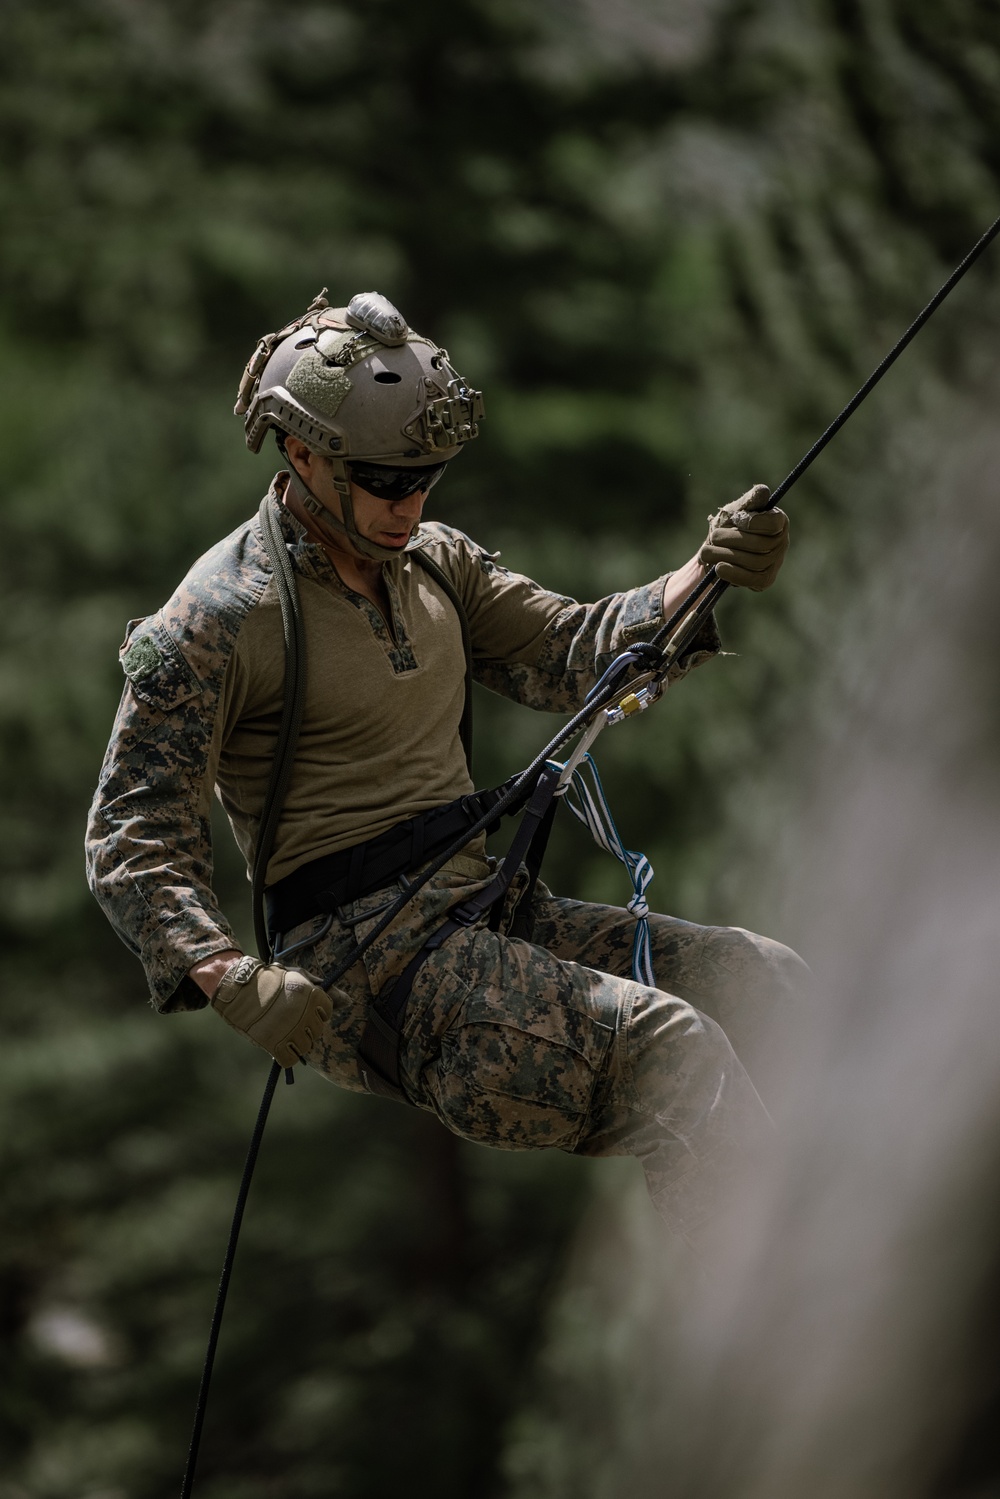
pixel 299 456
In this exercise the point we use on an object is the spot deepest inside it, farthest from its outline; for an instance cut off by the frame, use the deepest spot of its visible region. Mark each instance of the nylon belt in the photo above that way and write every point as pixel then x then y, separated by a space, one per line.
pixel 319 887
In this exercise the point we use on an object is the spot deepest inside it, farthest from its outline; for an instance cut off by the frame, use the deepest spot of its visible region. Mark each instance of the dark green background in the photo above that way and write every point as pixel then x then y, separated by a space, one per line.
pixel 668 241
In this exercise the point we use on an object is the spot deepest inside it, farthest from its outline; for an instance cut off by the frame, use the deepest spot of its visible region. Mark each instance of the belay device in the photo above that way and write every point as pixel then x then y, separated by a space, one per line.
pixel 633 682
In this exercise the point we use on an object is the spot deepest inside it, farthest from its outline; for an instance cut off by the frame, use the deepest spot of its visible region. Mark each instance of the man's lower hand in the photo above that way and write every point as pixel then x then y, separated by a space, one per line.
pixel 280 1009
pixel 746 544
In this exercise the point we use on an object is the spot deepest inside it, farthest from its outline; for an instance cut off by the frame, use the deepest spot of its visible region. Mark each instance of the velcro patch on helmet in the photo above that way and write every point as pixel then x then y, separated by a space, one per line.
pixel 319 382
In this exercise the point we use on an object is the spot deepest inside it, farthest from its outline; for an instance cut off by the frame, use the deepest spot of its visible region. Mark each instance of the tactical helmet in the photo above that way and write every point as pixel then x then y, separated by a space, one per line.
pixel 356 384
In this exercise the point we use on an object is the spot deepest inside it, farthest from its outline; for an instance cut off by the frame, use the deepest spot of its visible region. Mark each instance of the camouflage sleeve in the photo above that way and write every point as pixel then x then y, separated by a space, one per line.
pixel 149 850
pixel 543 649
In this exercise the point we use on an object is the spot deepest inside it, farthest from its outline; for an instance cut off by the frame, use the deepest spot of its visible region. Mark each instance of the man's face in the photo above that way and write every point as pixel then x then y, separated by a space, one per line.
pixel 389 523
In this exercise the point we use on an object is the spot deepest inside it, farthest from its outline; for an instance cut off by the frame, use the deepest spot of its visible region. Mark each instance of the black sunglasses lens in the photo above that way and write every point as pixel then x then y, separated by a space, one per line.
pixel 390 483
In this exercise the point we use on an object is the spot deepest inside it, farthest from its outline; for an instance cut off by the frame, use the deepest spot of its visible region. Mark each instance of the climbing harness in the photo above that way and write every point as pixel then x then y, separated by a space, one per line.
pixel 378 1053
pixel 632 683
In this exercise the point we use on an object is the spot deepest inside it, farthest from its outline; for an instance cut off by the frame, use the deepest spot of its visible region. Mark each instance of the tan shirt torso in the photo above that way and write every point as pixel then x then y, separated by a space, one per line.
pixel 380 730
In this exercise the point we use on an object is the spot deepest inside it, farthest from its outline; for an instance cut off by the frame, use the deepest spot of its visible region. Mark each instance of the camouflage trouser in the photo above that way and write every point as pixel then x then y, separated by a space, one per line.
pixel 523 1044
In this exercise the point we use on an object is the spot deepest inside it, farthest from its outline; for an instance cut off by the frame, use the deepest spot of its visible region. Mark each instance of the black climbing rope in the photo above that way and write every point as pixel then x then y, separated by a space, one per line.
pixel 227 1270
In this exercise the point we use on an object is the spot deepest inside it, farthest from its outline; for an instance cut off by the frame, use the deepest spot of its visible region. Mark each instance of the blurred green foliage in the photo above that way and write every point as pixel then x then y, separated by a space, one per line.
pixel 668 241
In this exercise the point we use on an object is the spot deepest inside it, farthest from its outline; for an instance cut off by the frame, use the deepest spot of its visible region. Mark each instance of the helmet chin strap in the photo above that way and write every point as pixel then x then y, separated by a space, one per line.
pixel 325 519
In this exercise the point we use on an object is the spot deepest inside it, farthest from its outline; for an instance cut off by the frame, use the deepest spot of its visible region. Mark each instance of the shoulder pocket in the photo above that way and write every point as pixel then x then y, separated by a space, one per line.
pixel 157 671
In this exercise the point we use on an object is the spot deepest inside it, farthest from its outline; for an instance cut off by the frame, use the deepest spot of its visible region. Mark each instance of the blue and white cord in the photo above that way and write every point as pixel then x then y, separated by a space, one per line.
pixel 589 805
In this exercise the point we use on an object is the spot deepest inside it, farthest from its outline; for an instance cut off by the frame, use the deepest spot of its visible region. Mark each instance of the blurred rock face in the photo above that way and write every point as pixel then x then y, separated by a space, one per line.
pixel 832 1348
pixel 842 1339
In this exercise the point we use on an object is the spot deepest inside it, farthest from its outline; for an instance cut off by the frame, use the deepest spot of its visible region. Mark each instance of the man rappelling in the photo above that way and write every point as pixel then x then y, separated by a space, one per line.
pixel 517 1021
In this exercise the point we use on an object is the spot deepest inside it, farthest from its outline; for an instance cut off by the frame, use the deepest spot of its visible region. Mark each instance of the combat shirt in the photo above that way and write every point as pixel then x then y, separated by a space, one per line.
pixel 380 733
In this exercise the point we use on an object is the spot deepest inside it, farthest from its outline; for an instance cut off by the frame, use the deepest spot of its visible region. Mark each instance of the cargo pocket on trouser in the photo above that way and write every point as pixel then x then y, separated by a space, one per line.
pixel 519 1063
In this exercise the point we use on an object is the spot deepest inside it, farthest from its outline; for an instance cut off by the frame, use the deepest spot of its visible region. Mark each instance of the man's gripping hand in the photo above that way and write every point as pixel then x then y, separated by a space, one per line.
pixel 280 1009
pixel 746 544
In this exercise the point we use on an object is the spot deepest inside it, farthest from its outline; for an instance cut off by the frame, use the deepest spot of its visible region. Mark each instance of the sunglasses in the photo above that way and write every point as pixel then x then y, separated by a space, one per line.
pixel 387 482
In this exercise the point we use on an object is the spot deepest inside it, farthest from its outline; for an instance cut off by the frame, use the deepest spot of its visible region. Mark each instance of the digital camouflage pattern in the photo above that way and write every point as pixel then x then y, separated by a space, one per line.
pixel 380 735
pixel 548 1042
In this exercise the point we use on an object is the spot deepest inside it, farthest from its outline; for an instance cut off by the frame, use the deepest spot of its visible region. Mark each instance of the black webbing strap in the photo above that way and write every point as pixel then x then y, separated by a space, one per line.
pixel 520 925
pixel 378 1053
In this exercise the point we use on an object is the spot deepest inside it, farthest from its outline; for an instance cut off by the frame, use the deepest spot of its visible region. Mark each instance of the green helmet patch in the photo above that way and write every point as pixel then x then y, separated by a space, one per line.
pixel 319 382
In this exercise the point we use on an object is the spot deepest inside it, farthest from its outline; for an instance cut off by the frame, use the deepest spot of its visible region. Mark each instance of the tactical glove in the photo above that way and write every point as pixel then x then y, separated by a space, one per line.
pixel 280 1009
pixel 746 544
